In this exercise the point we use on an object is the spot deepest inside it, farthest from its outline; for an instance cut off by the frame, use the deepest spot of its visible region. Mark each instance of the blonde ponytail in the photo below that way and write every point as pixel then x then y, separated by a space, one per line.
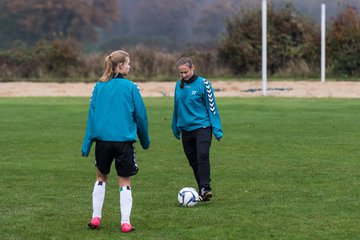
pixel 108 70
pixel 111 62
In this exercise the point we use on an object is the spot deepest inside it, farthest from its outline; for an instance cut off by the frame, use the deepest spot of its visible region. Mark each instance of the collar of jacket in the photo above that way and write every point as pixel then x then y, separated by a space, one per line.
pixel 192 79
pixel 117 75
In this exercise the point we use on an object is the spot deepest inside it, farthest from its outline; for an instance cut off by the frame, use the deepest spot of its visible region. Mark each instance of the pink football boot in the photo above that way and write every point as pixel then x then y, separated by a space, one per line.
pixel 94 223
pixel 126 227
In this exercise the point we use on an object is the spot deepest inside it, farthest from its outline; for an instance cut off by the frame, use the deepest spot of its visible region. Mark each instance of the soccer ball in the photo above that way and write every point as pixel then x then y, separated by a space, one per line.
pixel 188 197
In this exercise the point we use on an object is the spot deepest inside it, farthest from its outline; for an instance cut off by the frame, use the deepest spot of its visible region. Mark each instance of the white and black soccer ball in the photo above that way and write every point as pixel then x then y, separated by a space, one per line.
pixel 188 197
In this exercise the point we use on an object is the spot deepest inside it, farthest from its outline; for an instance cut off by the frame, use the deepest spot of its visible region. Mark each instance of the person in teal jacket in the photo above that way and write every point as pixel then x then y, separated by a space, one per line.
pixel 117 117
pixel 195 119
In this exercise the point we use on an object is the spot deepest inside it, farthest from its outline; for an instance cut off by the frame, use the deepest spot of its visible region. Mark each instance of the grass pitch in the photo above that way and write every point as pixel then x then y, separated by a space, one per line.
pixel 285 169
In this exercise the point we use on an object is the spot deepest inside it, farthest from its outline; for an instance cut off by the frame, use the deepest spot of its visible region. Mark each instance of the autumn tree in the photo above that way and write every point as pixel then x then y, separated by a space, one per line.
pixel 344 42
pixel 241 47
pixel 293 41
pixel 53 19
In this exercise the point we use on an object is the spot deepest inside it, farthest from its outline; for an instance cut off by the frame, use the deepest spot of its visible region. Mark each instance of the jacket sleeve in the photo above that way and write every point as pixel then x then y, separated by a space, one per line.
pixel 88 139
pixel 213 111
pixel 176 131
pixel 140 117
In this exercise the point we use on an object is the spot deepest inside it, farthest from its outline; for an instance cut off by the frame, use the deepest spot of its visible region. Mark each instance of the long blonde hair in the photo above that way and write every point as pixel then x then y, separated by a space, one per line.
pixel 111 62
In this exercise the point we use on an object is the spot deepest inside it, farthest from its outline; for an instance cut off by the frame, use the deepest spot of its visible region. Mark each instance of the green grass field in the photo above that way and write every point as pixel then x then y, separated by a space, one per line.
pixel 285 169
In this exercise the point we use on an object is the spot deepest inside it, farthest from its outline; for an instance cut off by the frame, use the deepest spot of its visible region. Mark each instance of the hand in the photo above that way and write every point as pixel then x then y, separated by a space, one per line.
pixel 176 135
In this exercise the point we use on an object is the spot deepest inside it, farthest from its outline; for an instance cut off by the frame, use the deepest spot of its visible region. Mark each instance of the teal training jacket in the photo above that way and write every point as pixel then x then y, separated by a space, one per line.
pixel 116 113
pixel 195 107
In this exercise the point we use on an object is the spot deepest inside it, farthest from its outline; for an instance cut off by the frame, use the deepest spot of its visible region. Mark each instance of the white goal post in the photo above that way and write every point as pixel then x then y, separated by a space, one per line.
pixel 264 45
pixel 323 42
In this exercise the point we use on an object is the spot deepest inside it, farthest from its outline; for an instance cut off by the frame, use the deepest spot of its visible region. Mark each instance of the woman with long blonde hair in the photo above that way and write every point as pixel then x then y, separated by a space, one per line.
pixel 117 117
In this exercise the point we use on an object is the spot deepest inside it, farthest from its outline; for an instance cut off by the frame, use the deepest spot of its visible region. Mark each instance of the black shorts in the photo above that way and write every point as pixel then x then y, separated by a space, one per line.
pixel 122 152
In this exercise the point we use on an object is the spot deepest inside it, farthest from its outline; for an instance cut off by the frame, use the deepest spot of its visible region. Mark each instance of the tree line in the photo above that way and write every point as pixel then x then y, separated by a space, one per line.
pixel 58 53
pixel 293 43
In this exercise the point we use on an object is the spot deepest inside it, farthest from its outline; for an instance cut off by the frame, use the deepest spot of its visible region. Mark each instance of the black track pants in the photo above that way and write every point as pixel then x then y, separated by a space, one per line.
pixel 196 146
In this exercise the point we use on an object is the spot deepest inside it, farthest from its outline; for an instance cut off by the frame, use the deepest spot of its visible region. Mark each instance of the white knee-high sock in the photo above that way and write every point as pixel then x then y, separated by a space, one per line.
pixel 125 204
pixel 98 197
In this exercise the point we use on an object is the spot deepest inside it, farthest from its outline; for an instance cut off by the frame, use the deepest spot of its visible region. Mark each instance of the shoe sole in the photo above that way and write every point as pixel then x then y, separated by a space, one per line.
pixel 131 230
pixel 93 226
pixel 207 197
